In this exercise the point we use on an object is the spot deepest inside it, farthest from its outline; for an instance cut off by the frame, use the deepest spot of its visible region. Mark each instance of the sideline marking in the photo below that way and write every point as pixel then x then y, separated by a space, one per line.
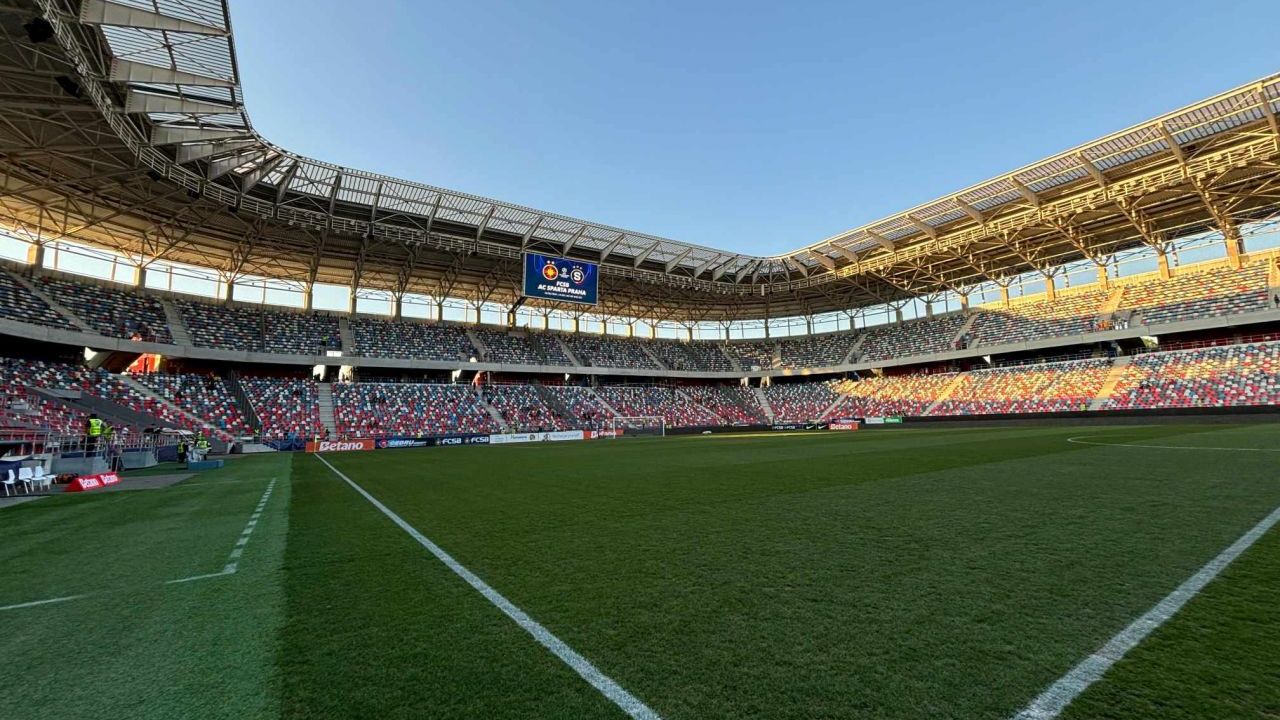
pixel 1067 688
pixel 1084 440
pixel 629 703
pixel 228 569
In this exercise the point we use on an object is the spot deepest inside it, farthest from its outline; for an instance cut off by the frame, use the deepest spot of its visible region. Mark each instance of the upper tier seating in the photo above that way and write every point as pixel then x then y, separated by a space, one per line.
pixel 409 409
pixel 375 337
pixel 20 304
pixel 917 337
pixel 299 334
pixel 222 326
pixel 205 396
pixel 692 357
pixel 1210 377
pixel 1056 387
pixel 521 348
pixel 609 352
pixel 1218 292
pixel 661 402
pixel 754 355
pixel 118 313
pixel 286 407
pixel 825 350
pixel 1073 314
pixel 799 402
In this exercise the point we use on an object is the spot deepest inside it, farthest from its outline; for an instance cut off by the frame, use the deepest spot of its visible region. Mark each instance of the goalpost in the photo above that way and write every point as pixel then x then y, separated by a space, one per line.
pixel 638 426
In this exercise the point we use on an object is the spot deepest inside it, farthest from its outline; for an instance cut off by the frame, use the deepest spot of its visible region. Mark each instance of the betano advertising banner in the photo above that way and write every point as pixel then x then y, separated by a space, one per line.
pixel 315 446
pixel 560 279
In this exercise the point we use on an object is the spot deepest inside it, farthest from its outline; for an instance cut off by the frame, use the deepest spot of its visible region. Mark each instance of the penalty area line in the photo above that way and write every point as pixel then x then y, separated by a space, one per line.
pixel 629 703
pixel 1050 703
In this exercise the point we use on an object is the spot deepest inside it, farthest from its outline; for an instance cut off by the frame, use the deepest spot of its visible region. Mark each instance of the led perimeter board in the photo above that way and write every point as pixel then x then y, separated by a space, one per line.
pixel 553 278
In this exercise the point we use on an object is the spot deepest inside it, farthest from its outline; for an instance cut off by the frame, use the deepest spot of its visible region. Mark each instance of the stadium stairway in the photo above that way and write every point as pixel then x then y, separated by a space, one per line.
pixel 601 401
pixel 764 403
pixel 946 392
pixel 344 335
pixel 831 408
pixel 569 353
pixel 855 349
pixel 231 379
pixel 114 413
pixel 1114 376
pixel 653 358
pixel 481 349
pixel 324 402
pixel 53 304
pixel 733 361
pixel 736 399
pixel 1107 313
pixel 687 400
pixel 493 413
pixel 177 326
pixel 212 431
pixel 965 327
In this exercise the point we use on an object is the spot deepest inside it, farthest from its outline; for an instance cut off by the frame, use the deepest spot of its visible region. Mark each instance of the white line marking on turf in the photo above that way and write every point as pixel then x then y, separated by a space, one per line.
pixel 50 601
pixel 228 569
pixel 1084 440
pixel 629 703
pixel 1059 695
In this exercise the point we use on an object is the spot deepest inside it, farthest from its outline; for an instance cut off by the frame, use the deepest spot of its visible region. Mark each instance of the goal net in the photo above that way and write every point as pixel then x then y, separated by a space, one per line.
pixel 638 426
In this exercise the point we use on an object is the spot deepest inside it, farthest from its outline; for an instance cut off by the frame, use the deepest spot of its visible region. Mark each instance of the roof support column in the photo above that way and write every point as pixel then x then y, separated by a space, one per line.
pixel 1162 262
pixel 1050 288
pixel 1104 277
pixel 1004 296
pixel 397 306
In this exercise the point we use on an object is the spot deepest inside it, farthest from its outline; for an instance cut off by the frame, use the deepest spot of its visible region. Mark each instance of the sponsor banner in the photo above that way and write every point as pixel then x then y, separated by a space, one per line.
pixel 843 426
pixel 404 442
pixel 315 446
pixel 874 420
pixel 92 482
pixel 508 438
pixel 562 435
pixel 895 420
pixel 799 426
pixel 553 278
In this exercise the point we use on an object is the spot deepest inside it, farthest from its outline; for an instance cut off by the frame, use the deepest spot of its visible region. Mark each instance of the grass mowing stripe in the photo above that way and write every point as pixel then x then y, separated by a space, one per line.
pixel 629 703
pixel 1059 695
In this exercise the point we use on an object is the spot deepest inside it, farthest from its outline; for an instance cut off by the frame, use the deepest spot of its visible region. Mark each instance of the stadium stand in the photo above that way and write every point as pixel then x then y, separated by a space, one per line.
pixel 20 304
pixel 891 395
pixel 799 402
pixel 825 350
pixel 1055 387
pixel 604 351
pixel 917 337
pixel 114 313
pixel 691 357
pixel 409 409
pixel 299 333
pixel 221 326
pixel 286 407
pixel 520 348
pixel 578 406
pixel 205 396
pixel 754 355
pixel 662 402
pixel 30 410
pixel 734 404
pixel 1229 376
pixel 1073 314
pixel 1212 293
pixel 524 410
pixel 375 337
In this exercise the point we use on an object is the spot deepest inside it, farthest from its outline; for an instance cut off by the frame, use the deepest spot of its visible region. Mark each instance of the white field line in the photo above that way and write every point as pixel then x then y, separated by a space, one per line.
pixel 228 569
pixel 1084 440
pixel 629 703
pixel 1061 693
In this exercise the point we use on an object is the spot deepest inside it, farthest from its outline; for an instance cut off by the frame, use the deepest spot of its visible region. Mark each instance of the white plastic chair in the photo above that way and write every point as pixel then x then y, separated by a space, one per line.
pixel 10 485
pixel 24 476
pixel 40 480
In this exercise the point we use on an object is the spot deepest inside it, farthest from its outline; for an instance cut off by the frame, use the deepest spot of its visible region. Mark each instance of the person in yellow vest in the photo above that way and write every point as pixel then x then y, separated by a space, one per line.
pixel 202 447
pixel 93 429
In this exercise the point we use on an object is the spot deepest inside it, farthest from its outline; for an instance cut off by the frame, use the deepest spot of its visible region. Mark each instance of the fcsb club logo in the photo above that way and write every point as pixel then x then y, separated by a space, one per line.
pixel 550 272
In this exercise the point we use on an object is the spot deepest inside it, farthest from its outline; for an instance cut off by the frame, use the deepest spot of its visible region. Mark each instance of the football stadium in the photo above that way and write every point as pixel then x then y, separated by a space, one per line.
pixel 288 439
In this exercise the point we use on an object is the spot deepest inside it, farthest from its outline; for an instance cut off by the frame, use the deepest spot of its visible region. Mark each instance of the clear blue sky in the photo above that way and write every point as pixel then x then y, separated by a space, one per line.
pixel 756 127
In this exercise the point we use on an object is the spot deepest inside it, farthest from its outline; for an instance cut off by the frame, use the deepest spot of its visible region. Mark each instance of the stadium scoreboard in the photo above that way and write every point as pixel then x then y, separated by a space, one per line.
pixel 560 279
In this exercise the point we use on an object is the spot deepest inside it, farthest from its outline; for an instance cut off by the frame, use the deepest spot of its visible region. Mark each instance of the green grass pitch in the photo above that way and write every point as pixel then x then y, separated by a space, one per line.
pixel 896 574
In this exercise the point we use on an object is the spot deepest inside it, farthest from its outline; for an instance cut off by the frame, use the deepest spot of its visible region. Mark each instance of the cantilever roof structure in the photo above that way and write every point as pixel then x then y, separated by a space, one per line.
pixel 163 79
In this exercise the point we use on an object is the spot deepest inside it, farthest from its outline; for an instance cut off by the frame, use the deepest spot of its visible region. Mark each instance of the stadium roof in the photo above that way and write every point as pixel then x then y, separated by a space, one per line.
pixel 163 77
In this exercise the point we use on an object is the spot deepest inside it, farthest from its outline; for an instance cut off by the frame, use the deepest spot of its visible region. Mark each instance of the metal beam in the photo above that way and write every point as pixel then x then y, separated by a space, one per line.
pixel 1025 191
pixel 136 102
pixel 613 245
pixel 970 210
pixel 635 262
pixel 880 240
pixel 1092 169
pixel 573 240
pixel 174 134
pixel 671 264
pixel 923 226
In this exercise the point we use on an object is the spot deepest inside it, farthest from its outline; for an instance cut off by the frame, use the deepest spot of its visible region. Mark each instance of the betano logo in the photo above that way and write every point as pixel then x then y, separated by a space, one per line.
pixel 315 446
